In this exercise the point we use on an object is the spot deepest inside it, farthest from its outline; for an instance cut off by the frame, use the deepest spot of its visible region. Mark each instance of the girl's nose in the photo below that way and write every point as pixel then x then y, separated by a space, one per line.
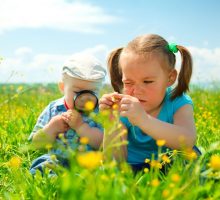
pixel 136 90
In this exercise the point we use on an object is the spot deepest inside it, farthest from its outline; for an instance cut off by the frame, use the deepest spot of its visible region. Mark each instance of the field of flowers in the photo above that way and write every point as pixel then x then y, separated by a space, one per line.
pixel 89 177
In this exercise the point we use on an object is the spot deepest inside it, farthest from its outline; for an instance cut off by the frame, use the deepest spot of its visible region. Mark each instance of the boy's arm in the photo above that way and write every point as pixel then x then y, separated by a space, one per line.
pixel 94 134
pixel 42 120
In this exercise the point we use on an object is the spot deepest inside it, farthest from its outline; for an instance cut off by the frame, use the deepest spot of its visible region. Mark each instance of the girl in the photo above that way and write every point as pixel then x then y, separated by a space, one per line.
pixel 142 74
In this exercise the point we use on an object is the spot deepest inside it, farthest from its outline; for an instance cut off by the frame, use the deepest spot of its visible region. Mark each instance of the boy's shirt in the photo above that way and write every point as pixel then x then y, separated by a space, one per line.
pixel 57 107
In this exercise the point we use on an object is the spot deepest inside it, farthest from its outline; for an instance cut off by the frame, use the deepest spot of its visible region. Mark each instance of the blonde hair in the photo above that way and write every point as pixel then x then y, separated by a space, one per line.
pixel 144 45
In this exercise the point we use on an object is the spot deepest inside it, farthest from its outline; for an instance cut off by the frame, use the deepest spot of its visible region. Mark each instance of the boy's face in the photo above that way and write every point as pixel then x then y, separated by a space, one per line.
pixel 73 85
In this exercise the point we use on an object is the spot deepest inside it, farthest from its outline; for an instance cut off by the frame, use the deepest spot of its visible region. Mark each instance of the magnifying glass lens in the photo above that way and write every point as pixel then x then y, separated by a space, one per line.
pixel 85 102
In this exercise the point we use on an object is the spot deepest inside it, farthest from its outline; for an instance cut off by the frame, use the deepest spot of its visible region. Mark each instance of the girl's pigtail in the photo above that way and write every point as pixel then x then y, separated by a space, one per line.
pixel 114 70
pixel 184 74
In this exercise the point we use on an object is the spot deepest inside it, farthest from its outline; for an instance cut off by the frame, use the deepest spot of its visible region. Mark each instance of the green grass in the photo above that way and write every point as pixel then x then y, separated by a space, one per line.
pixel 20 105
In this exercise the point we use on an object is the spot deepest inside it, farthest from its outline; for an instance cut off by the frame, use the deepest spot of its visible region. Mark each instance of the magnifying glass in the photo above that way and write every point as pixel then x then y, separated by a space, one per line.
pixel 85 101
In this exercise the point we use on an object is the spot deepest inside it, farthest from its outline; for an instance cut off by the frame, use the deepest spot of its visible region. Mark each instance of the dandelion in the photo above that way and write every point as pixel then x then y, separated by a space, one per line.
pixel 89 106
pixel 155 182
pixel 146 170
pixel 14 162
pixel 115 106
pixel 160 143
pixel 166 159
pixel 175 152
pixel 48 146
pixel 147 160
pixel 215 162
pixel 61 136
pixel 175 178
pixel 19 88
pixel 84 140
pixel 165 193
pixel 90 159
pixel 155 164
pixel 105 113
pixel 104 177
pixel 53 157
pixel 190 154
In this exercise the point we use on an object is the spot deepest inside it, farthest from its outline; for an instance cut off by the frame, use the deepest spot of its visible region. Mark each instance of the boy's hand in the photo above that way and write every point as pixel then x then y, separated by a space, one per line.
pixel 55 126
pixel 73 118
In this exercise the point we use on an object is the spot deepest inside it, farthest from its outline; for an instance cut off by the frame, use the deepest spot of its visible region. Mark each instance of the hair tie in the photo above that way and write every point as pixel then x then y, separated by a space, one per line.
pixel 172 47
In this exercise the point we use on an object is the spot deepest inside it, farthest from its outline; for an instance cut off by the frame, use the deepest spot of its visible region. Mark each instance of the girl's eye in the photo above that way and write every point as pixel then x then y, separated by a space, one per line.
pixel 147 82
pixel 127 83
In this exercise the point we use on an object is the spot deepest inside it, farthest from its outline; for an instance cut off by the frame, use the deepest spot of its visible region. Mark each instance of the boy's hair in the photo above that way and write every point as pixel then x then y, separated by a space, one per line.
pixel 84 66
pixel 147 44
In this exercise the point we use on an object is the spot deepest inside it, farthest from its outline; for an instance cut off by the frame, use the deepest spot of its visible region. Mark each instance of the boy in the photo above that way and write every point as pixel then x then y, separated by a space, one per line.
pixel 82 72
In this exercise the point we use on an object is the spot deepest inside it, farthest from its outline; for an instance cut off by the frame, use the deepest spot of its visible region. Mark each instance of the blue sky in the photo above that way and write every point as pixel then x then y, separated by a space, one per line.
pixel 37 36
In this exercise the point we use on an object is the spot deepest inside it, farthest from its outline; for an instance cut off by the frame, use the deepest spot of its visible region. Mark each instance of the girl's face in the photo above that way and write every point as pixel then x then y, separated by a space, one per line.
pixel 72 85
pixel 146 79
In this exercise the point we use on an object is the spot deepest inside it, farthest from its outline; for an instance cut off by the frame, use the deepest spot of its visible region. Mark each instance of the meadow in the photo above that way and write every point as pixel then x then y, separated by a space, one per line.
pixel 89 177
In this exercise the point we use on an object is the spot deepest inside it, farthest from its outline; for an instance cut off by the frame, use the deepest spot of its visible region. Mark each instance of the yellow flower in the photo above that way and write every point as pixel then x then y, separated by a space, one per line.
pixel 115 106
pixel 160 143
pixel 155 182
pixel 215 162
pixel 147 160
pixel 166 159
pixel 14 162
pixel 175 152
pixel 19 88
pixel 155 164
pixel 89 106
pixel 165 193
pixel 190 154
pixel 105 113
pixel 53 157
pixel 84 140
pixel 104 177
pixel 171 185
pixel 175 178
pixel 146 170
pixel 48 146
pixel 90 159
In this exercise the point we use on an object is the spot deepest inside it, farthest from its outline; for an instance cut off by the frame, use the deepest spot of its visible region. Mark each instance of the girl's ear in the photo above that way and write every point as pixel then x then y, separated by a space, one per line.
pixel 172 77
pixel 61 86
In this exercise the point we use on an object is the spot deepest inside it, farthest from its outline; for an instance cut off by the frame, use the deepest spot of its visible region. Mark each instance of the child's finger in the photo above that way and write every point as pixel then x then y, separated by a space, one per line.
pixel 125 100
pixel 123 113
pixel 104 101
pixel 65 118
pixel 124 107
pixel 117 96
pixel 104 107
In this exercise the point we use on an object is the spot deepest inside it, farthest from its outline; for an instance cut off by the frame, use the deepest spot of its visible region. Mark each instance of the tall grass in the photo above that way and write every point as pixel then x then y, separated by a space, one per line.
pixel 188 178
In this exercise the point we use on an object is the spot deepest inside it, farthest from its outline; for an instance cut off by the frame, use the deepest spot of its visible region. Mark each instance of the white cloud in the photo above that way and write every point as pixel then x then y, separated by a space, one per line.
pixel 55 14
pixel 25 66
pixel 206 64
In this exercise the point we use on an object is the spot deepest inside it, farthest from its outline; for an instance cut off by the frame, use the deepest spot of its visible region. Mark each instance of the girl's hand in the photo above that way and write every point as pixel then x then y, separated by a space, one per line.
pixel 108 100
pixel 131 108
pixel 73 118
